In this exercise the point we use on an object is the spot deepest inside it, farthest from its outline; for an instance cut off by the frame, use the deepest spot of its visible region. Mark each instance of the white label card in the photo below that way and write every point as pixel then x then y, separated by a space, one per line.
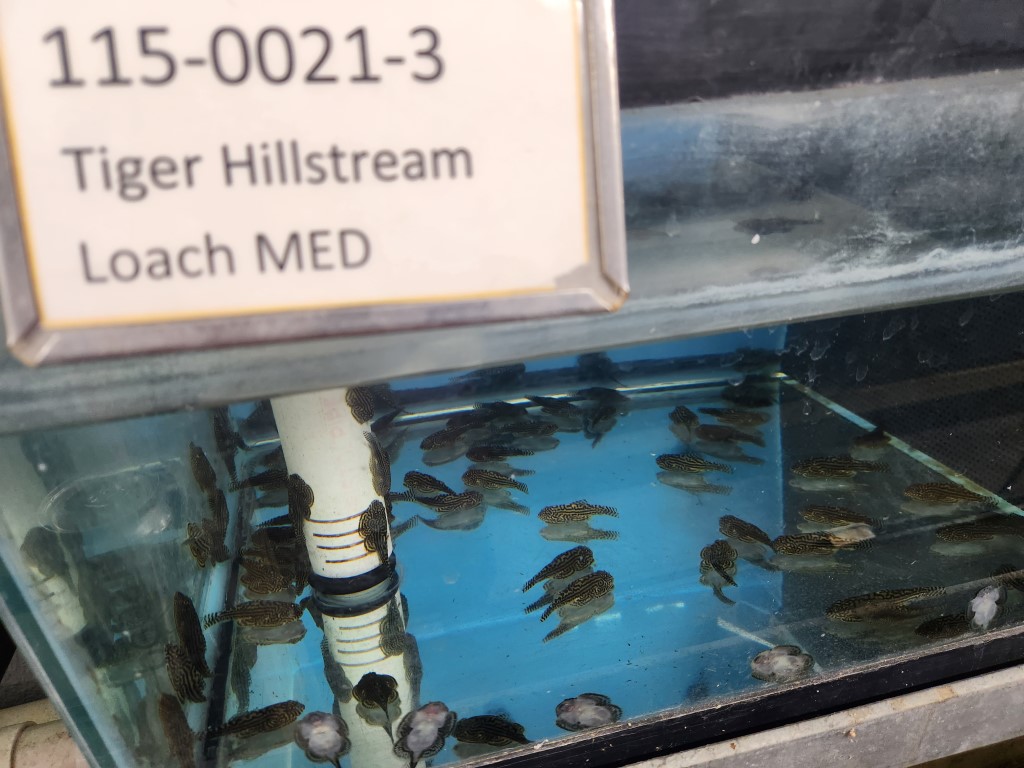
pixel 201 159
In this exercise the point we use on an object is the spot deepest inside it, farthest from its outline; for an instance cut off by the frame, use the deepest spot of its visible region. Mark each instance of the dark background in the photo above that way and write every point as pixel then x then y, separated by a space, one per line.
pixel 674 51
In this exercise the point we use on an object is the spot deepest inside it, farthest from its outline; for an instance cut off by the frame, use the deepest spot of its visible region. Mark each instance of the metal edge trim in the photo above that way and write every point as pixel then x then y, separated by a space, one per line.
pixel 17 299
pixel 606 147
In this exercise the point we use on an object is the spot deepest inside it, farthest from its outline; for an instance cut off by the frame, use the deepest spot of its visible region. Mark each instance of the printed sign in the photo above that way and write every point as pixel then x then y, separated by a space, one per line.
pixel 214 160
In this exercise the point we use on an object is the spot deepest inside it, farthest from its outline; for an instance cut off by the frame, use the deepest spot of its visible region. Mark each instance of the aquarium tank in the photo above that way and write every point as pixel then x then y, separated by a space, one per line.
pixel 783 480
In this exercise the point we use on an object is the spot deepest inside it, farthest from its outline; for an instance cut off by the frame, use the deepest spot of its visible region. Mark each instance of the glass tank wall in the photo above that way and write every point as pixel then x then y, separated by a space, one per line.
pixel 515 555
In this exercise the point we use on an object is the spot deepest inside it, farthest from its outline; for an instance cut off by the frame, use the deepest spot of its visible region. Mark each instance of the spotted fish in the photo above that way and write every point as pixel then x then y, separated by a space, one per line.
pixel 833 516
pixel 373 528
pixel 530 428
pixel 720 433
pixel 452 502
pixel 690 462
pixel 338 682
pixel 392 631
pixel 720 556
pixel 804 544
pixel 360 402
pixel 581 591
pixel 488 453
pixel 375 691
pixel 489 729
pixel 944 493
pixel 574 512
pixel 186 678
pixel 563 566
pixel 491 480
pixel 243 659
pixel 983 529
pixel 944 627
pixel 257 613
pixel 554 406
pixel 257 721
pixel 886 603
pixel 873 440
pixel 735 528
pixel 190 632
pixel 300 501
pixel 422 484
pixel 836 467
pixel 202 469
pixel 380 465
pixel 1010 576
pixel 684 417
pixel 199 543
pixel 180 738
pixel 446 437
pixel 736 417
pixel 421 733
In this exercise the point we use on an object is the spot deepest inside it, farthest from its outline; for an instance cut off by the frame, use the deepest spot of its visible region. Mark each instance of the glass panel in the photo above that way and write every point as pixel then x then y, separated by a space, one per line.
pixel 578 541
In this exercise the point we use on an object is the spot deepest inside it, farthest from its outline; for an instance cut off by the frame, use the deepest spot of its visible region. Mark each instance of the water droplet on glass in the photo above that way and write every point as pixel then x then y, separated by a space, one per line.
pixel 812 375
pixel 862 372
pixel 755 240
pixel 672 225
pixel 893 327
pixel 736 379
pixel 821 346
pixel 965 318
pixel 807 408
pixel 800 346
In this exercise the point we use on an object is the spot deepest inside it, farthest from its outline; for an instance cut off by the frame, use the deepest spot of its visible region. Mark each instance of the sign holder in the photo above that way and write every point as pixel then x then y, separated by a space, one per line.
pixel 596 283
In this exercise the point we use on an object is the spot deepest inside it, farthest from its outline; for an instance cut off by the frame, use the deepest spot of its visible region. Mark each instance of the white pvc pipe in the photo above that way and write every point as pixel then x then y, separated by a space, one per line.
pixel 355 644
pixel 325 445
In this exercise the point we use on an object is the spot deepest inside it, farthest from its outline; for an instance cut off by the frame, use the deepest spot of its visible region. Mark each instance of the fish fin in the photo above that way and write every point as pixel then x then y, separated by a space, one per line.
pixel 212 618
pixel 536 605
pixel 533 582
pixel 547 613
pixel 721 596
pixel 558 631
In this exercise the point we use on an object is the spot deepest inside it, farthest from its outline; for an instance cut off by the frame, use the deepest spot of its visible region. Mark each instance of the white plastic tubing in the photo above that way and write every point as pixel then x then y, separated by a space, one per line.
pixel 325 445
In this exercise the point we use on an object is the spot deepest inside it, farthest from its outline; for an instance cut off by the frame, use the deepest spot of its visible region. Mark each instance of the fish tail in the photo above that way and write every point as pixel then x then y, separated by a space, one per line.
pixel 610 511
pixel 535 605
pixel 533 582
pixel 721 596
pixel 561 629
pixel 520 487
pixel 547 612
pixel 213 618
pixel 403 496
pixel 605 535
pixel 879 466
pixel 401 528
pixel 723 468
